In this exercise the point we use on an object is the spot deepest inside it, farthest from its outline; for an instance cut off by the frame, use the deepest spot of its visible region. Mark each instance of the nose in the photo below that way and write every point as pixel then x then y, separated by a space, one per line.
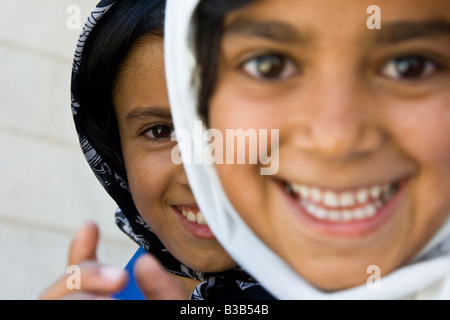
pixel 338 120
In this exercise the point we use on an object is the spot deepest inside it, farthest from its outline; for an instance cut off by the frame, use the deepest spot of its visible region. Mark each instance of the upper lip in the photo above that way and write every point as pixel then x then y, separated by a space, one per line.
pixel 331 184
pixel 187 205
pixel 342 189
pixel 348 174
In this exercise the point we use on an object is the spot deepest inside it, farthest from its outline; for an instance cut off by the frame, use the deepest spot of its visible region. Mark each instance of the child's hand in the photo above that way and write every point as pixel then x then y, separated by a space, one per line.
pixel 156 283
pixel 96 281
pixel 100 282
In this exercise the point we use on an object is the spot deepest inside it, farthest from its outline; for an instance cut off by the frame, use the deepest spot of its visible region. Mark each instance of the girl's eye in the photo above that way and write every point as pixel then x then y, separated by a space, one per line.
pixel 270 67
pixel 409 68
pixel 159 132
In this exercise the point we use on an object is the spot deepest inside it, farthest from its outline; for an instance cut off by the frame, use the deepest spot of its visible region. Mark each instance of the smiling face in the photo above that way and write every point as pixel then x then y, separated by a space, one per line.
pixel 364 130
pixel 160 188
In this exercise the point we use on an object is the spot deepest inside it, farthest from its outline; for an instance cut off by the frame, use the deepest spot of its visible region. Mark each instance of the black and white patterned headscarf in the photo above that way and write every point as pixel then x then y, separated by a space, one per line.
pixel 232 284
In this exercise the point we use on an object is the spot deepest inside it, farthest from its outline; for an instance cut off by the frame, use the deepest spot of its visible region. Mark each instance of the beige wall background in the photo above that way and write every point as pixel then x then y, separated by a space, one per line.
pixel 47 189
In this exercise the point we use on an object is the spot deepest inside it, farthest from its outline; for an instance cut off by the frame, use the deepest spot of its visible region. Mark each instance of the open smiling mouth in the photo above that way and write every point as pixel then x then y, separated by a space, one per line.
pixel 193 220
pixel 192 214
pixel 344 206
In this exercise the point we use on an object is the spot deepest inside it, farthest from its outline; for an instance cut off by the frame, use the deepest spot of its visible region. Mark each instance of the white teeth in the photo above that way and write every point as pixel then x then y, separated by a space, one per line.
pixel 201 218
pixel 375 192
pixel 359 214
pixel 194 217
pixel 370 210
pixel 331 199
pixel 362 195
pixel 191 216
pixel 304 192
pixel 320 213
pixel 334 215
pixel 316 195
pixel 343 206
pixel 347 215
pixel 347 199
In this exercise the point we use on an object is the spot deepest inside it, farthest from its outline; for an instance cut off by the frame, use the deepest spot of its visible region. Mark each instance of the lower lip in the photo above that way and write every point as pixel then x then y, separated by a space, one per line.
pixel 200 231
pixel 349 229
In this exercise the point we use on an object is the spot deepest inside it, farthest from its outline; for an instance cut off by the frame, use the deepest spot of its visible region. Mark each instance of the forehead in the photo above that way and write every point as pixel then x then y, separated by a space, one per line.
pixel 141 78
pixel 144 59
pixel 315 17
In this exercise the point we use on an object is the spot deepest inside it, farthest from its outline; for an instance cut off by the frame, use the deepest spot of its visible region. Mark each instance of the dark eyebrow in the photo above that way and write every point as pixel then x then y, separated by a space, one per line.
pixel 151 112
pixel 391 33
pixel 270 30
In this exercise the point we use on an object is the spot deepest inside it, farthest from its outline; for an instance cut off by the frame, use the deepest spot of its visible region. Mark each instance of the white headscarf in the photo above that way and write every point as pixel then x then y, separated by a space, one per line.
pixel 426 277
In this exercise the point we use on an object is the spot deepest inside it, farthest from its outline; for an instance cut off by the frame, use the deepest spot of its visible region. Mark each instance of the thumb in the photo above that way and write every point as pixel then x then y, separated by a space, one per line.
pixel 155 282
pixel 84 245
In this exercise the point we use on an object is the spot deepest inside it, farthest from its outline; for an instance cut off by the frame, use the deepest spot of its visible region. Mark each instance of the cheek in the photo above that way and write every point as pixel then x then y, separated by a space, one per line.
pixel 423 131
pixel 230 108
pixel 228 112
pixel 234 105
pixel 148 179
